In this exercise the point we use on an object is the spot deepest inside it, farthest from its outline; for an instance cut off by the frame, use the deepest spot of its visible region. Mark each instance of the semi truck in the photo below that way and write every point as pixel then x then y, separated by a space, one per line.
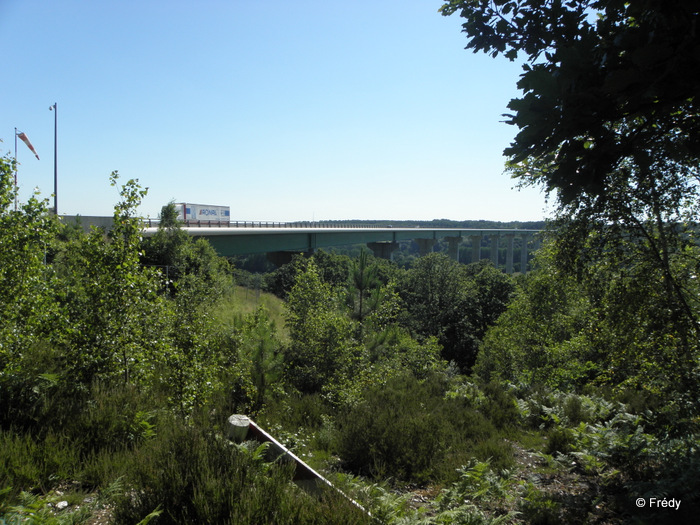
pixel 189 213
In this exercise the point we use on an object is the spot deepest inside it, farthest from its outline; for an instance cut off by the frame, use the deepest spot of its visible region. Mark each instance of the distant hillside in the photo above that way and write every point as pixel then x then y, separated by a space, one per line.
pixel 445 223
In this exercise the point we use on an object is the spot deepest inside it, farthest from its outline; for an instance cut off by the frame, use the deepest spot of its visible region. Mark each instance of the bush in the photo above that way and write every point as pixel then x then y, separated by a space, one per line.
pixel 406 429
pixel 114 418
pixel 559 440
pixel 497 451
pixel 297 410
pixel 500 406
pixel 195 476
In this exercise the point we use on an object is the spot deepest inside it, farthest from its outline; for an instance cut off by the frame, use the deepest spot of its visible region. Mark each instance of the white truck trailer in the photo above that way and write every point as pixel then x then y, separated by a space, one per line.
pixel 189 213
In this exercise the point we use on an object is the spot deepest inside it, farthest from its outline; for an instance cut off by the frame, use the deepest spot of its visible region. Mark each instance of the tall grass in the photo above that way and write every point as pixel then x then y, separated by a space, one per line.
pixel 240 301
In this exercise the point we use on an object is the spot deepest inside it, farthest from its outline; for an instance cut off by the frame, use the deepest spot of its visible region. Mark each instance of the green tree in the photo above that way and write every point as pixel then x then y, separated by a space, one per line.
pixel 164 249
pixel 168 216
pixel 261 349
pixel 176 254
pixel 363 279
pixel 434 294
pixel 605 83
pixel 609 119
pixel 454 303
pixel 545 336
pixel 110 302
pixel 28 313
pixel 491 292
pixel 187 372
pixel 321 346
pixel 332 268
pixel 281 281
pixel 393 351
pixel 25 234
pixel 608 124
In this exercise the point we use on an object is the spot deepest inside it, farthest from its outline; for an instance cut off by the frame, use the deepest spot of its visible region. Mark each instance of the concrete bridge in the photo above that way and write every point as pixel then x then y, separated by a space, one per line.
pixel 280 241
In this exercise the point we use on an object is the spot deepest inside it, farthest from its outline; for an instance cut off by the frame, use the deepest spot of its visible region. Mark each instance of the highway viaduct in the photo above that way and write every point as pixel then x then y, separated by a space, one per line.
pixel 282 240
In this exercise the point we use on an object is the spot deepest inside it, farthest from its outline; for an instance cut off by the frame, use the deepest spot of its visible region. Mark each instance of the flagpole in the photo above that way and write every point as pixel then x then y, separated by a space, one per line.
pixel 55 157
pixel 15 169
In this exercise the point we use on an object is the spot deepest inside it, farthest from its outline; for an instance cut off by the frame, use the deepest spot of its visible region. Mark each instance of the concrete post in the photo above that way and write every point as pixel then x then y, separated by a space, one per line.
pixel 476 248
pixel 494 250
pixel 425 246
pixel 241 428
pixel 383 249
pixel 453 247
pixel 237 428
pixel 510 239
pixel 523 254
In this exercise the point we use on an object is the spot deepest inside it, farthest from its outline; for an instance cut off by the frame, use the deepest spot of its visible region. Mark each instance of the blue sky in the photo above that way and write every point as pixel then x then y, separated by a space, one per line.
pixel 282 110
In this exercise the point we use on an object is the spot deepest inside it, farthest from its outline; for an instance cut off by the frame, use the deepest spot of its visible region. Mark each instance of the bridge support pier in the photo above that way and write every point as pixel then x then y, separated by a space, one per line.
pixel 494 250
pixel 453 247
pixel 425 246
pixel 523 254
pixel 383 249
pixel 510 243
pixel 476 248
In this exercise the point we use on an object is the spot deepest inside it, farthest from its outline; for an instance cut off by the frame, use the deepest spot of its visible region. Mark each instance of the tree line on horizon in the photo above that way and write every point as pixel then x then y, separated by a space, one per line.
pixel 446 223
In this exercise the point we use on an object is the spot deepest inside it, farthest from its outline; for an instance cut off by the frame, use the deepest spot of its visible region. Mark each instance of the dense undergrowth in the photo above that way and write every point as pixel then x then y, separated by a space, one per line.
pixel 444 393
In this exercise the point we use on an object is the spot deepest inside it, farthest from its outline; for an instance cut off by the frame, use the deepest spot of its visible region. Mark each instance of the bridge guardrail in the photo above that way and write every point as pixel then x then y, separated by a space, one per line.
pixel 153 223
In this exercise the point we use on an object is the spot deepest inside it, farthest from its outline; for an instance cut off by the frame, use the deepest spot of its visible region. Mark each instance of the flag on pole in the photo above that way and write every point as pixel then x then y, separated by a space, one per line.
pixel 23 138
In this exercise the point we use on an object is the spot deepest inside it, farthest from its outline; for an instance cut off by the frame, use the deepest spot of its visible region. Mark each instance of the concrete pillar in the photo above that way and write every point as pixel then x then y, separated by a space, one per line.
pixel 523 254
pixel 453 247
pixel 383 249
pixel 476 248
pixel 494 250
pixel 510 239
pixel 425 246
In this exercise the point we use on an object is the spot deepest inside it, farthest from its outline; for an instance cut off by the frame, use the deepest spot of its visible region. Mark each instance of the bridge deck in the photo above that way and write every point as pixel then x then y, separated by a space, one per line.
pixel 230 241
